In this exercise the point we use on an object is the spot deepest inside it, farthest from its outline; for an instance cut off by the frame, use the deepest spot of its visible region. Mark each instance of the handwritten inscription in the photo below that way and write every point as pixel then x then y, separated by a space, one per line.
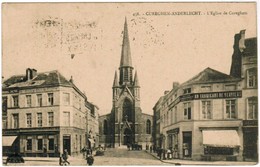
pixel 69 37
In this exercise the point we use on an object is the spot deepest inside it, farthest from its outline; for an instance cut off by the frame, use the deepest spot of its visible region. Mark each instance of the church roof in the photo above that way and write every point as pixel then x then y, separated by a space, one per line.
pixel 210 76
pixel 126 60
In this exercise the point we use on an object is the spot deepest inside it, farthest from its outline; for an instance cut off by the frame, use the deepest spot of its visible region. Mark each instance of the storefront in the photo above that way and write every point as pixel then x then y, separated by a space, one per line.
pixel 220 144
pixel 187 145
pixel 173 142
pixel 250 136
pixel 10 145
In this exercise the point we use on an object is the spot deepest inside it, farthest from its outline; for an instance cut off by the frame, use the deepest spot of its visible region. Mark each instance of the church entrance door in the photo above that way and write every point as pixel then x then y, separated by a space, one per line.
pixel 127 139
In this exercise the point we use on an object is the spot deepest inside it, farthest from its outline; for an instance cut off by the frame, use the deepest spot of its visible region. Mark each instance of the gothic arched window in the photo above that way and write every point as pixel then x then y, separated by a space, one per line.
pixel 127 111
pixel 126 74
pixel 148 126
pixel 105 130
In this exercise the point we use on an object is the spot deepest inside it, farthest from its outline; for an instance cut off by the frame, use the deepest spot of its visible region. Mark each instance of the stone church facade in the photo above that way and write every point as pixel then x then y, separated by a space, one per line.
pixel 126 124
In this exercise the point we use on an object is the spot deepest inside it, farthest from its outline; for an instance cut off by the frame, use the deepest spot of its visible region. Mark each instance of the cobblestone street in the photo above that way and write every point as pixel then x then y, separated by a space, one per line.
pixel 111 157
pixel 125 157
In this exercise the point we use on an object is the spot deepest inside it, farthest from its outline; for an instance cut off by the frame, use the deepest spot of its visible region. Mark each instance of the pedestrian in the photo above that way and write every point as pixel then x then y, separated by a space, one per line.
pixel 151 148
pixel 90 159
pixel 160 152
pixel 65 156
pixel 56 150
pixel 44 151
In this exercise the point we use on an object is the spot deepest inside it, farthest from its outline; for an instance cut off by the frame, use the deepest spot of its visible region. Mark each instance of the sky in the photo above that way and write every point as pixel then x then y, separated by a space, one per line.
pixel 84 40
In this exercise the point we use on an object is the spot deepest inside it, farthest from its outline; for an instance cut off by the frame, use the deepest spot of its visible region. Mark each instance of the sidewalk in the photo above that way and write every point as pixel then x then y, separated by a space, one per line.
pixel 191 162
pixel 49 159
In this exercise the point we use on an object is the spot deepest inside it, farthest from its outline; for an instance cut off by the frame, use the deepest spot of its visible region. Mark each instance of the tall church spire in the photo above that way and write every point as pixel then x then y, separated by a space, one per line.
pixel 126 60
pixel 126 69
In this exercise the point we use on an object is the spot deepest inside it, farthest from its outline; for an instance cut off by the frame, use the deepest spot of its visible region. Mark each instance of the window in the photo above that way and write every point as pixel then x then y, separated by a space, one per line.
pixel 4 105
pixel 50 119
pixel 15 121
pixel 80 142
pixel 66 116
pixel 175 117
pixel 28 100
pixel 252 78
pixel 66 98
pixel 127 111
pixel 230 109
pixel 39 119
pixel 148 126
pixel 50 99
pixel 76 143
pixel 172 116
pixel 29 144
pixel 39 100
pixel 187 111
pixel 218 150
pixel 126 74
pixel 15 101
pixel 206 109
pixel 51 143
pixel 252 108
pixel 187 90
pixel 28 120
pixel 4 122
pixel 39 144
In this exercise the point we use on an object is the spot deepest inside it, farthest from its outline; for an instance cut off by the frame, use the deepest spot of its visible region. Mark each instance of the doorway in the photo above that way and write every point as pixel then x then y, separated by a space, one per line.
pixel 250 143
pixel 67 144
pixel 127 136
pixel 187 144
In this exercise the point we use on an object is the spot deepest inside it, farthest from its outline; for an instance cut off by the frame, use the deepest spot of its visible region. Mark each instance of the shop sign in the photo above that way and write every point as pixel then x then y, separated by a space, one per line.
pixel 13 91
pixel 211 95
pixel 174 131
pixel 250 122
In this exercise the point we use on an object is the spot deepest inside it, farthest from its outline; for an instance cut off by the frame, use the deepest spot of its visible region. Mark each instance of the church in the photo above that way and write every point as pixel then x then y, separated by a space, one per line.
pixel 126 124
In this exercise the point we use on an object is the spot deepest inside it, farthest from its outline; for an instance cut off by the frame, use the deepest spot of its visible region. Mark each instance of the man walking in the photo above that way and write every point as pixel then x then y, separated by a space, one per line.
pixel 65 156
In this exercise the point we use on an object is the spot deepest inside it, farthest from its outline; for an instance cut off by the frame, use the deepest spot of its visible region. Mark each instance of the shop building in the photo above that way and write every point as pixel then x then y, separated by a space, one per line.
pixel 213 115
pixel 43 114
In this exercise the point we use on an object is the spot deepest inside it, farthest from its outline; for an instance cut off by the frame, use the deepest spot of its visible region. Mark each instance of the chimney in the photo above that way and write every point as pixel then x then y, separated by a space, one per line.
pixel 175 85
pixel 166 92
pixel 30 74
pixel 34 73
pixel 238 48
pixel 242 41
pixel 71 79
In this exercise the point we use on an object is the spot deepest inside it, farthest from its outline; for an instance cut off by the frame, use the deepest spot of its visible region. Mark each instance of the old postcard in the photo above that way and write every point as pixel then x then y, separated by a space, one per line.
pixel 129 84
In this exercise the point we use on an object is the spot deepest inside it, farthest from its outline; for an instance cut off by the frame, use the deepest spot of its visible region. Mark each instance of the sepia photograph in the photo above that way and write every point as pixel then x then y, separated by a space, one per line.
pixel 129 83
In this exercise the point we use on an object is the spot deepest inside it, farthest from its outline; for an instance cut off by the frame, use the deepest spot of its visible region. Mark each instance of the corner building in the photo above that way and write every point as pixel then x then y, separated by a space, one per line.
pixel 44 114
pixel 126 124
pixel 213 116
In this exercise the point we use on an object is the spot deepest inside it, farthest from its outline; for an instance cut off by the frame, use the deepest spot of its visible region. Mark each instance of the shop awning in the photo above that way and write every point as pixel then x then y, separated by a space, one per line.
pixel 8 140
pixel 221 138
pixel 91 140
